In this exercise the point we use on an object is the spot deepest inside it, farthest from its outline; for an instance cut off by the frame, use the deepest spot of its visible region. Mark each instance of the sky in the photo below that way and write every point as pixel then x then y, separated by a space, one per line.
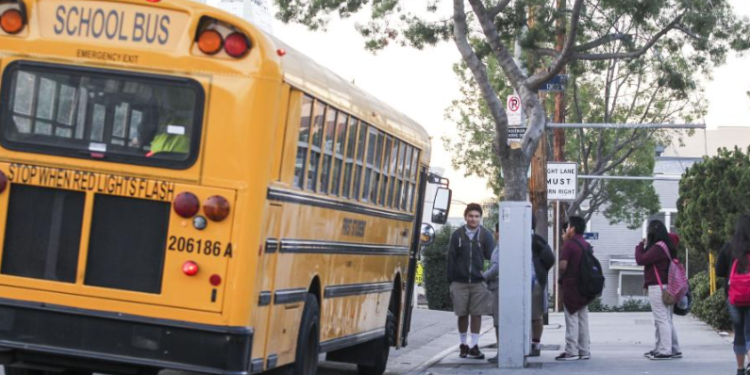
pixel 422 85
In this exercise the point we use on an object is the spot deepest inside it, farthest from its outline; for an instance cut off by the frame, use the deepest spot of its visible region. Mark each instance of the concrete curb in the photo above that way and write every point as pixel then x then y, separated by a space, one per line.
pixel 424 366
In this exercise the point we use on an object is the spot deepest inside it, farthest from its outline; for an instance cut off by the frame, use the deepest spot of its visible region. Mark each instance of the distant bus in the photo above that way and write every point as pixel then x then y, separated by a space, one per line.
pixel 181 191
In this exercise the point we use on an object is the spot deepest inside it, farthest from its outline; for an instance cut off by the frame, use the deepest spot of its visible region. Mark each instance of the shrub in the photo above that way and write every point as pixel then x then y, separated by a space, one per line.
pixel 631 305
pixel 710 309
pixel 436 284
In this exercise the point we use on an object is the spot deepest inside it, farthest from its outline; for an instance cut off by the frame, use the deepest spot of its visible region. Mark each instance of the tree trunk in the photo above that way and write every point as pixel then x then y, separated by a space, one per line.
pixel 515 173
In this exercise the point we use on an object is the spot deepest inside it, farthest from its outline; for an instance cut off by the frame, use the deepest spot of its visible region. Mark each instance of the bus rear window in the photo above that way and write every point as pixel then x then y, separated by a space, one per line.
pixel 108 115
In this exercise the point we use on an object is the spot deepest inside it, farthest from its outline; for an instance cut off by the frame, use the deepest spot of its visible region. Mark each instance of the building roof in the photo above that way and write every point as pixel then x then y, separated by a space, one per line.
pixel 707 142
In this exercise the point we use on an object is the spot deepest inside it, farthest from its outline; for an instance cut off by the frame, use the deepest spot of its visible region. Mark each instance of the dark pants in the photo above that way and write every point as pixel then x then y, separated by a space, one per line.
pixel 741 319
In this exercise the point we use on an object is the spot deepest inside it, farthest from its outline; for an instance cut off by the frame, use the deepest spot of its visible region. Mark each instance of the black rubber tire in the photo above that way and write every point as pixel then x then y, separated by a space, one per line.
pixel 10 370
pixel 383 349
pixel 308 341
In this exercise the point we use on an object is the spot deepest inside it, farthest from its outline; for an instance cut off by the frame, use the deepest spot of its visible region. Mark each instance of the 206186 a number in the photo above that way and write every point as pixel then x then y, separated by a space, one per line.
pixel 199 246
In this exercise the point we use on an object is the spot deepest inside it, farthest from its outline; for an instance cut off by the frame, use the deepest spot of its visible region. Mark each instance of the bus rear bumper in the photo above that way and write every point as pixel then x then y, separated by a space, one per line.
pixel 44 336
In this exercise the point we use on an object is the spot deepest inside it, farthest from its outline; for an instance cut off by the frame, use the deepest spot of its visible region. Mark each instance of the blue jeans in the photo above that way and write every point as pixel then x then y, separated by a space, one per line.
pixel 741 319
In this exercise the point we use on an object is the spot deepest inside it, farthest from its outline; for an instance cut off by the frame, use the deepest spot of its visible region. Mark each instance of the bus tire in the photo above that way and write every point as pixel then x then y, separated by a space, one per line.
pixel 383 349
pixel 308 341
pixel 11 370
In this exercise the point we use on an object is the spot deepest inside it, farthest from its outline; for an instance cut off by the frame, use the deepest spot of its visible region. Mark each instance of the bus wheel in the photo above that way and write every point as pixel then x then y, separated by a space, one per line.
pixel 10 370
pixel 308 341
pixel 383 349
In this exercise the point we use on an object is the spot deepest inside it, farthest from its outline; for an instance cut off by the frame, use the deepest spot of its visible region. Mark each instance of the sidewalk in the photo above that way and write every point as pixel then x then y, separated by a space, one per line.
pixel 618 341
pixel 432 332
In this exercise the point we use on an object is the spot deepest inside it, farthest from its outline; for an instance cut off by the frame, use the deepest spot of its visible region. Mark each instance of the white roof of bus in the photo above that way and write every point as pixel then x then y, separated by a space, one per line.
pixel 310 77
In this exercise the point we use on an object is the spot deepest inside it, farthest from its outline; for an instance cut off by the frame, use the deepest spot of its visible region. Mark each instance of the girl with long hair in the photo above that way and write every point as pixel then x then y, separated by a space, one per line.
pixel 655 253
pixel 737 250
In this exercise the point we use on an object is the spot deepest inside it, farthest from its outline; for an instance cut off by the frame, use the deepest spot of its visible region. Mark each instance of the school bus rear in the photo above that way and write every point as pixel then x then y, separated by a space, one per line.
pixel 134 165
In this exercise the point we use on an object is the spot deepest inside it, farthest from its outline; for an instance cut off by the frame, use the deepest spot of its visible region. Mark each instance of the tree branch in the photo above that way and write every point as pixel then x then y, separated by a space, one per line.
pixel 502 55
pixel 602 41
pixel 630 55
pixel 479 71
pixel 494 11
pixel 536 81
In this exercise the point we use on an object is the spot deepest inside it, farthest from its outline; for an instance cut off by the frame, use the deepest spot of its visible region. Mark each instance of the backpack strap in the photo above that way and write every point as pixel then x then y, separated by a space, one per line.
pixel 658 278
pixel 666 249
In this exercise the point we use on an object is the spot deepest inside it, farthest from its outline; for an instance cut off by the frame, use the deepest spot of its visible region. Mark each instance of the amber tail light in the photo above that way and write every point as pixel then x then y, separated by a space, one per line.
pixel 216 208
pixel 12 21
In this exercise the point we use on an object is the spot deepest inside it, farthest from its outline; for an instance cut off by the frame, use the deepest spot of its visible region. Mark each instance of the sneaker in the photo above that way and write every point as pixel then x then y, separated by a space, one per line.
pixel 677 355
pixel 464 350
pixel 496 358
pixel 649 354
pixel 584 357
pixel 536 350
pixel 475 353
pixel 660 357
pixel 566 357
pixel 741 372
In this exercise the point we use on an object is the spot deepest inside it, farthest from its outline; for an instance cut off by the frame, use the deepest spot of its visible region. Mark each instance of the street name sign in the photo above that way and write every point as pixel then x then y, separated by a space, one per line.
pixel 591 236
pixel 555 84
pixel 516 132
pixel 562 181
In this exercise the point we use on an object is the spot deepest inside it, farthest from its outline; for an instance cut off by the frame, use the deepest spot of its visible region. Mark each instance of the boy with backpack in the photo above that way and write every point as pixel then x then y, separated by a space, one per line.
pixel 582 280
pixel 470 246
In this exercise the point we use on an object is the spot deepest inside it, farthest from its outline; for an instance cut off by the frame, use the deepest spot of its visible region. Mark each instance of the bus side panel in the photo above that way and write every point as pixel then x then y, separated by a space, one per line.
pixel 264 279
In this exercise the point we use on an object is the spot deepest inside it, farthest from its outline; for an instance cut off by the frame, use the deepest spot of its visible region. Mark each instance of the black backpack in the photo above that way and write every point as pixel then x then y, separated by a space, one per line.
pixel 591 275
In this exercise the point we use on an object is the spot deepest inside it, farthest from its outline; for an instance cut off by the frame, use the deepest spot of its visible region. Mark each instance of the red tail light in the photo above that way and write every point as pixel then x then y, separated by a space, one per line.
pixel 186 205
pixel 3 182
pixel 12 21
pixel 215 280
pixel 236 45
pixel 216 208
pixel 190 268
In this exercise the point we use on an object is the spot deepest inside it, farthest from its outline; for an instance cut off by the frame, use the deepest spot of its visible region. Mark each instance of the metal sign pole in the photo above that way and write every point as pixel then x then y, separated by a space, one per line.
pixel 557 254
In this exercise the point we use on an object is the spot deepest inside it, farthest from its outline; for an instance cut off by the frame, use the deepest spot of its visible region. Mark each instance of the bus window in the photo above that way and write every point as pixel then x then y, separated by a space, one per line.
pixel 376 169
pixel 303 142
pixel 116 116
pixel 360 160
pixel 413 178
pixel 392 171
pixel 371 145
pixel 317 138
pixel 385 170
pixel 399 176
pixel 351 146
pixel 341 125
pixel 330 132
pixel 407 171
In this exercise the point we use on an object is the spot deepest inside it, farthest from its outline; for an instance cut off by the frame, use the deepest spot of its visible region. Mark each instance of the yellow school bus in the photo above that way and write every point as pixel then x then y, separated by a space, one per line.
pixel 179 190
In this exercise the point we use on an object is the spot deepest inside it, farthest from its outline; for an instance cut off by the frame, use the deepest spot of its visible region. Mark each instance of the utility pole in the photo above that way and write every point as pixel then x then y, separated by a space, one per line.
pixel 559 146
pixel 538 180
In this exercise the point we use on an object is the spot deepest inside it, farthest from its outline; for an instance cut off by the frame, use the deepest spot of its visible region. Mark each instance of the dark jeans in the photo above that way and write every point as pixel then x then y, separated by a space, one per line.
pixel 741 319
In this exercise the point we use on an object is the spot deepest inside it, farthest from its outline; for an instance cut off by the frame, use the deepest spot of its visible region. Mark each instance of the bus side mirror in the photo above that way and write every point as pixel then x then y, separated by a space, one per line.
pixel 427 235
pixel 441 205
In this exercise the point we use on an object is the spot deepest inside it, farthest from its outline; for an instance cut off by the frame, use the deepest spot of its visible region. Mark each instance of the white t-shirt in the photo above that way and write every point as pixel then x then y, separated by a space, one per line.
pixel 472 233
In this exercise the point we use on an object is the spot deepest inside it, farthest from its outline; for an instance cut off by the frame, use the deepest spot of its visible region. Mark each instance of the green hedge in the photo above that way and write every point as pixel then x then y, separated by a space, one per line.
pixel 435 274
pixel 710 309
pixel 631 305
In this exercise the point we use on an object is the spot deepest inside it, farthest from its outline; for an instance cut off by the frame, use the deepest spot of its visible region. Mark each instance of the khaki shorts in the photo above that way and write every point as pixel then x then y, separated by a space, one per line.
pixel 470 299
